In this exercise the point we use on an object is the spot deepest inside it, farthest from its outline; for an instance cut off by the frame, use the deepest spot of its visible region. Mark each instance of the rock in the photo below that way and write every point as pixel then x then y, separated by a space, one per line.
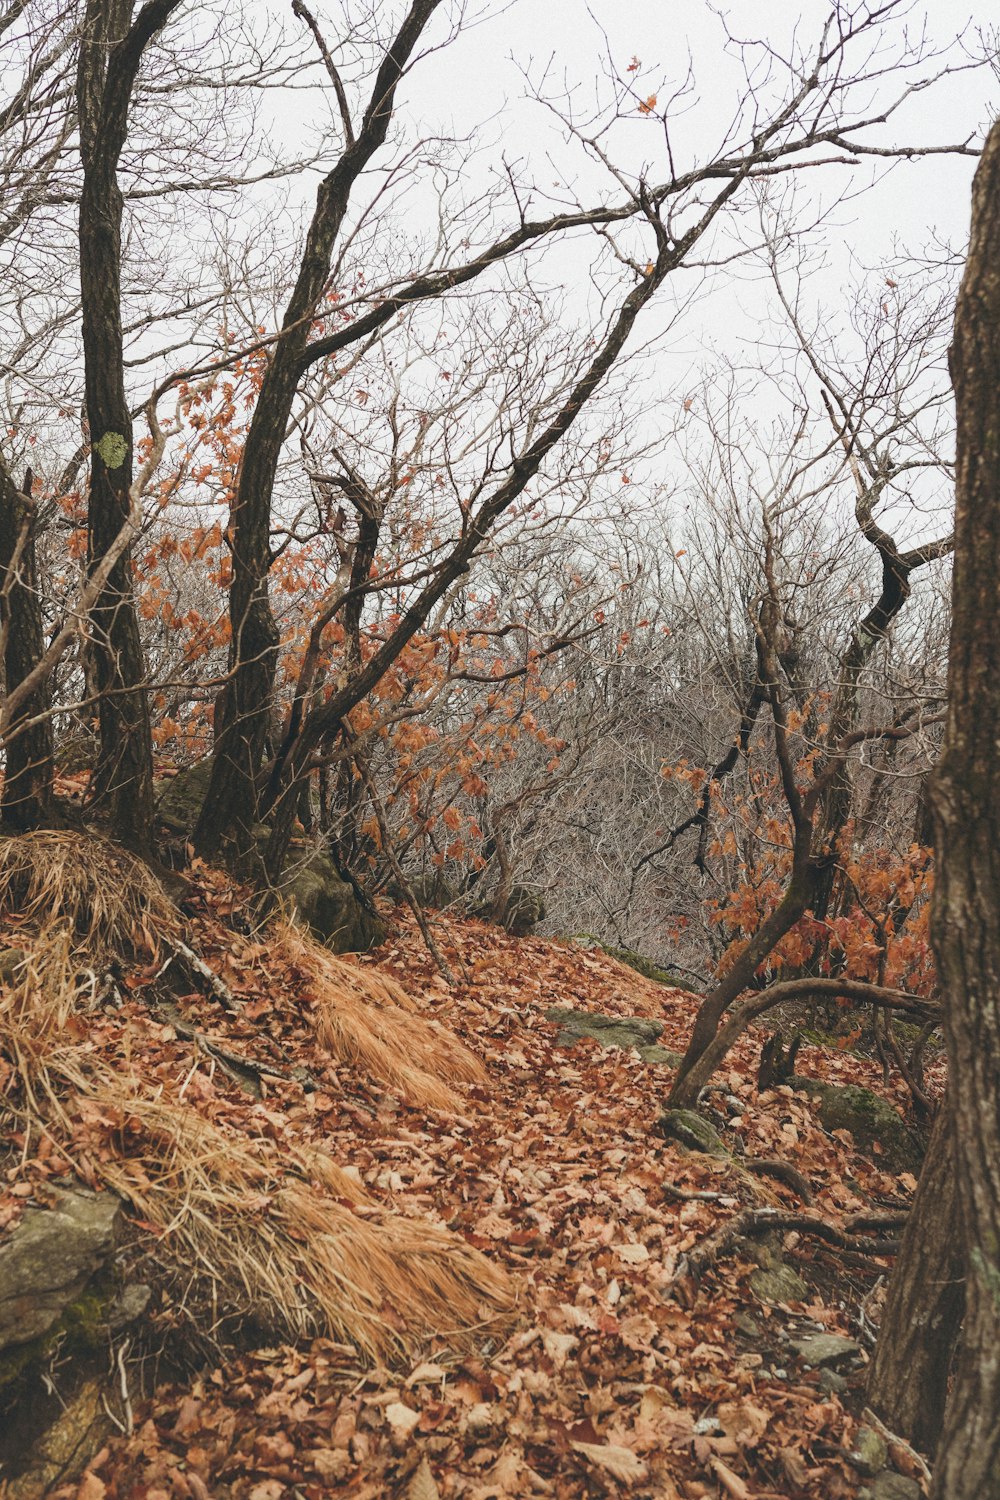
pixel 48 1258
pixel 660 1055
pixel 179 803
pixel 826 1349
pixel 780 1284
pixel 890 1486
pixel 312 885
pixel 832 1383
pixel 871 1120
pixel 129 1307
pixel 868 1452
pixel 11 960
pixel 328 905
pixel 691 1130
pixel 67 1444
pixel 524 910
pixel 58 1303
pixel 610 1031
pixel 747 1326
pixel 430 889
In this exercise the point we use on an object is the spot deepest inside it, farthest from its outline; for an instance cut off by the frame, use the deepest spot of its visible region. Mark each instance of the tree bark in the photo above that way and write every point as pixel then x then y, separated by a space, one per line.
pixel 908 1377
pixel 230 808
pixel 26 795
pixel 966 907
pixel 110 53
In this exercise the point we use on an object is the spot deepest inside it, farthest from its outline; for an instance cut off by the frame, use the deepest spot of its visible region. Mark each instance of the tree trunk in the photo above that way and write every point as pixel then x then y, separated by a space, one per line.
pixel 110 53
pixel 26 796
pixel 230 808
pixel 908 1378
pixel 966 908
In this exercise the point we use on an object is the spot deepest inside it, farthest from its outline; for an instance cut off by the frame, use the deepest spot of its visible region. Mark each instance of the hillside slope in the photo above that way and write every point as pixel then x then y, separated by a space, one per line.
pixel 650 1347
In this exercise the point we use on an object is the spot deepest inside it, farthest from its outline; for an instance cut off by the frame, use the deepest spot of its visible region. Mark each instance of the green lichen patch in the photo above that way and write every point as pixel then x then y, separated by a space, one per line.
pixel 112 449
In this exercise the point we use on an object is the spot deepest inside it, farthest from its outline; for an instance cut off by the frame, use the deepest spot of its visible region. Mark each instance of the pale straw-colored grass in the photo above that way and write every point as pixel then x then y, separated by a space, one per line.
pixel 246 1229
pixel 106 897
pixel 370 1023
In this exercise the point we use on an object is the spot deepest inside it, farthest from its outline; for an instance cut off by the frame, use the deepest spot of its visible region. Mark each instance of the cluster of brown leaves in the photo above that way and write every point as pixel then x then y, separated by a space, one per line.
pixel 622 1374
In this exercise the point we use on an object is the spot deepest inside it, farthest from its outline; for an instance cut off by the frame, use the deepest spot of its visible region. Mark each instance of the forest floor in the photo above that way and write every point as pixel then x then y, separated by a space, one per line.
pixel 628 1366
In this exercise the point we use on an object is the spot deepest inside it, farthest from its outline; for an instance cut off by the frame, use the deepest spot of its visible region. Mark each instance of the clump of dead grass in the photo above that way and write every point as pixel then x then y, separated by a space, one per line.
pixel 369 1022
pixel 247 1230
pixel 106 897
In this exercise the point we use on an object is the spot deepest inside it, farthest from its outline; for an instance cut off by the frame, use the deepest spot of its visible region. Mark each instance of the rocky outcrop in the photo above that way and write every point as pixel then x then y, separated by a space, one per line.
pixel 49 1258
pixel 59 1306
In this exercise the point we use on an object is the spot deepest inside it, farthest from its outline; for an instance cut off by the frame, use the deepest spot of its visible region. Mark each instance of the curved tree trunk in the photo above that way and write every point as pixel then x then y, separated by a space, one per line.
pixel 230 808
pixel 908 1377
pixel 966 909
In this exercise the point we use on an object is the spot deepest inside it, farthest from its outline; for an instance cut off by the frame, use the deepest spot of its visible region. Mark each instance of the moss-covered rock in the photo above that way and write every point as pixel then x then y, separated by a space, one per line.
pixel 58 1296
pixel 429 889
pixel 691 1130
pixel 868 1453
pixel 639 1032
pixel 312 886
pixel 48 1259
pixel 328 906
pixel 524 910
pixel 776 1284
pixel 647 968
pixel 180 800
pixel 660 1056
pixel 610 1031
pixel 877 1129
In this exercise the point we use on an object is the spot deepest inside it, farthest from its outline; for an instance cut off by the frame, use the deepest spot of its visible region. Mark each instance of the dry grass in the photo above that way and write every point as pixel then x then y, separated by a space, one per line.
pixel 246 1229
pixel 104 895
pixel 369 1022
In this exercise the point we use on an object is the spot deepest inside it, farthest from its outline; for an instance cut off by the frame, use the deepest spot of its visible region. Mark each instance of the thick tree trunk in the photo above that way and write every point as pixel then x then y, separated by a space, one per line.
pixel 110 53
pixel 966 910
pixel 26 796
pixel 908 1377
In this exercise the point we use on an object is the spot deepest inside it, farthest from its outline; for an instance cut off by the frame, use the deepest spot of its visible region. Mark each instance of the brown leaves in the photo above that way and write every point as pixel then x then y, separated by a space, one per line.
pixel 618 1376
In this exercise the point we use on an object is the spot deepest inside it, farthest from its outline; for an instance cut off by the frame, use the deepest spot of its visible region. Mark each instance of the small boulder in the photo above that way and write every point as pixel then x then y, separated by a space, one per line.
pixel 689 1128
pixel 868 1452
pixel 660 1056
pixel 180 801
pixel 328 905
pixel 826 1349
pixel 890 1486
pixel 778 1284
pixel 610 1031
pixel 524 910
pixel 877 1129
pixel 312 885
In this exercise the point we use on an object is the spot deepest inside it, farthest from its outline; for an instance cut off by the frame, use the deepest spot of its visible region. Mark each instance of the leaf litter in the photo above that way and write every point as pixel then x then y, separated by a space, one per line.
pixel 617 1371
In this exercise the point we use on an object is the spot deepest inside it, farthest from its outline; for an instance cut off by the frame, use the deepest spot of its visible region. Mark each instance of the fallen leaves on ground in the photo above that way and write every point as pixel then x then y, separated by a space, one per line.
pixel 622 1374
